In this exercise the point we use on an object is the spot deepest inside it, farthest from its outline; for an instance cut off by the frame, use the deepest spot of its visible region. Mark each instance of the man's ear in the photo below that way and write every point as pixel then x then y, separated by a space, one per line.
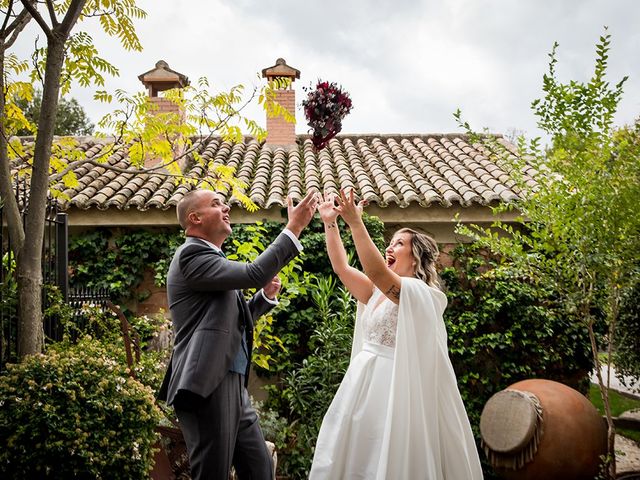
pixel 193 218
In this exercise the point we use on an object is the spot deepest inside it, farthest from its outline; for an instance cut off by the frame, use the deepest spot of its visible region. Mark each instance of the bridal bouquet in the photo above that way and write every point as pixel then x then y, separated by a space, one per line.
pixel 324 108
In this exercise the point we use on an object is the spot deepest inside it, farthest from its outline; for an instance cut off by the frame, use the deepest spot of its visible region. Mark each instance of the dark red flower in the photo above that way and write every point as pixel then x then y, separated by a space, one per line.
pixel 324 108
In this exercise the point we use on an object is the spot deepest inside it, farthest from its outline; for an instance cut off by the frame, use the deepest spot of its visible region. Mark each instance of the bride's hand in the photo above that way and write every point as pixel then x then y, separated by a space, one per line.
pixel 348 209
pixel 327 208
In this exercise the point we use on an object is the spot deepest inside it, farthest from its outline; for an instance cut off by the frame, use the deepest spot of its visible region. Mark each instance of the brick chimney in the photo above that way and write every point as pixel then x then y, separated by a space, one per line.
pixel 158 80
pixel 279 131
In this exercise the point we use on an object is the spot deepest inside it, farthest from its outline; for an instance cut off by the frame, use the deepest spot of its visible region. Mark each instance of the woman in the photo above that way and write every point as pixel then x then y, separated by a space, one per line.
pixel 398 413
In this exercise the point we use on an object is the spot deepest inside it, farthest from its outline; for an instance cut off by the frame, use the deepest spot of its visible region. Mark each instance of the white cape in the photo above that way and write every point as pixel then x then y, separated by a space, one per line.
pixel 427 434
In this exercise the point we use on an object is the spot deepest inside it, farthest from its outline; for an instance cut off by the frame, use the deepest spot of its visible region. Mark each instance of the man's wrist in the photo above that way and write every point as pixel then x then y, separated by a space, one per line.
pixel 294 238
pixel 294 229
pixel 272 301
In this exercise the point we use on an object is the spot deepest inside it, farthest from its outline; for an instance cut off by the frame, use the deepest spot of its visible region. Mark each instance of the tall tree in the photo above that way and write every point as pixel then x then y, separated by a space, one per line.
pixel 57 23
pixel 580 231
pixel 71 118
pixel 71 57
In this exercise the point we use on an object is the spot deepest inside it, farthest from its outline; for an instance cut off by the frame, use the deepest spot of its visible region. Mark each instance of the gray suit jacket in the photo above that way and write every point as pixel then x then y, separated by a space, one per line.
pixel 208 314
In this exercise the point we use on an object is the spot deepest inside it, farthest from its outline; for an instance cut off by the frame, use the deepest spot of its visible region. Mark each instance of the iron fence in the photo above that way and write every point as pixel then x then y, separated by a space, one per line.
pixel 84 300
pixel 54 272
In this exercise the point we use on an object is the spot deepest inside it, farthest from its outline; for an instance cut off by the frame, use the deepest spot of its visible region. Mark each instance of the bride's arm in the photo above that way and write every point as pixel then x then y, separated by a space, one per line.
pixel 373 263
pixel 358 284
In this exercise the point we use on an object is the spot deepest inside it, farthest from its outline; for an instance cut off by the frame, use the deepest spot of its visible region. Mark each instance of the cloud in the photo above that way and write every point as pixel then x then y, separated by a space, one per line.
pixel 408 64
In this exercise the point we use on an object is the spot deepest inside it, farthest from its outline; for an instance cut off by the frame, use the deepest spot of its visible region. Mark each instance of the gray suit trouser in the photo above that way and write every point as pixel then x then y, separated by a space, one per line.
pixel 222 430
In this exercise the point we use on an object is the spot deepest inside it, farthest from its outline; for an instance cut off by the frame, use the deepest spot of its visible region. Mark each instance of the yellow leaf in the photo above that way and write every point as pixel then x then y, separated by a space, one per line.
pixel 70 180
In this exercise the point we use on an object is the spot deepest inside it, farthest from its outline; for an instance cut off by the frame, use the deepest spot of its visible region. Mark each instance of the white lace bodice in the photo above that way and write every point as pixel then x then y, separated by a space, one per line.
pixel 380 321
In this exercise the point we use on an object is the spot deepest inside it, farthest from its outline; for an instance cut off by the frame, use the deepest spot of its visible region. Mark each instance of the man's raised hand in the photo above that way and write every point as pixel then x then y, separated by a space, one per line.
pixel 301 214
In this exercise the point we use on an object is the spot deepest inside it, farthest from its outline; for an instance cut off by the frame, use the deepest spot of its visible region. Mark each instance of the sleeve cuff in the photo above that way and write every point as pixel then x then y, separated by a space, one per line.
pixel 293 238
pixel 267 299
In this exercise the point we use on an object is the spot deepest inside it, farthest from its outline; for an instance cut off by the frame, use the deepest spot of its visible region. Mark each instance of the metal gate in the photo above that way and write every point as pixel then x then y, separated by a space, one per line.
pixel 54 272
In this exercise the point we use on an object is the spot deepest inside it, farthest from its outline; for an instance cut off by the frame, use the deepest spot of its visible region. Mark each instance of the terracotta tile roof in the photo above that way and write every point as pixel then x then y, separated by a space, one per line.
pixel 441 169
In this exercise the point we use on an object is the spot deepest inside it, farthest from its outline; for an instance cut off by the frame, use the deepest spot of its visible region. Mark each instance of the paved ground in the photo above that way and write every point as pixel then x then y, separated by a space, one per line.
pixel 627 451
pixel 627 455
pixel 616 383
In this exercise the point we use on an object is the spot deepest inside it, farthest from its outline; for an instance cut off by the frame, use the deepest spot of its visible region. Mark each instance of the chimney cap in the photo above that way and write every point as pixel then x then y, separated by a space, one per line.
pixel 163 78
pixel 281 69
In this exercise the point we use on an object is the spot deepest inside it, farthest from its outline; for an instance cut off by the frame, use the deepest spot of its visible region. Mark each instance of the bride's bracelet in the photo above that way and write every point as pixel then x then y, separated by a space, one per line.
pixel 330 225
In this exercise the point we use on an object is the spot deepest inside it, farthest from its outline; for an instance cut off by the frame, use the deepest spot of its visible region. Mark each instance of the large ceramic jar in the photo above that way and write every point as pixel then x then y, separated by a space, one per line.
pixel 540 429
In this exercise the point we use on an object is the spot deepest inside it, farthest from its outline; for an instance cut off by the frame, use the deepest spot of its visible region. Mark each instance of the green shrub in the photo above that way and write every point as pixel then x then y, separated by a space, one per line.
pixel 503 329
pixel 74 412
pixel 149 362
pixel 274 427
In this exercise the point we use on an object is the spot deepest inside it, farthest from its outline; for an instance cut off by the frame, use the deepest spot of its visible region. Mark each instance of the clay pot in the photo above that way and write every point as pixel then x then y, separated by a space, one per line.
pixel 539 429
pixel 171 459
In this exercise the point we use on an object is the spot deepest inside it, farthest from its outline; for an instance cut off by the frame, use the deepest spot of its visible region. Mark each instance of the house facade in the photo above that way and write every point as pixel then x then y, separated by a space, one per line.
pixel 428 181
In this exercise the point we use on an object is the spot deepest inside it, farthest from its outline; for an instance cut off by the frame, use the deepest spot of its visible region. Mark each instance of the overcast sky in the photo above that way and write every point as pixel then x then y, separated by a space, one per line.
pixel 408 64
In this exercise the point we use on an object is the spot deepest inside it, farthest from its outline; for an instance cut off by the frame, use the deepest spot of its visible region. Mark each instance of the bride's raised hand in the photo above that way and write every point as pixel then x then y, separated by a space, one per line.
pixel 348 209
pixel 327 208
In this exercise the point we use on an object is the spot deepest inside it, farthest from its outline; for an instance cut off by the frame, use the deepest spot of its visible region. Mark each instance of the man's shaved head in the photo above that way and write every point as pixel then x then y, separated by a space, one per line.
pixel 204 214
pixel 186 205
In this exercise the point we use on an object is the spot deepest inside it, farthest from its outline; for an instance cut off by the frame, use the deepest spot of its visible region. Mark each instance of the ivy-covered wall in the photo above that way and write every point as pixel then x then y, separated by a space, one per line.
pixel 130 263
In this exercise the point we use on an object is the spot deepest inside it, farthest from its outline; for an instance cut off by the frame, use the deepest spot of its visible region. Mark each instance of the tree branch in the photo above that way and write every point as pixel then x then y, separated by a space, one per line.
pixel 31 8
pixel 21 21
pixel 10 204
pixel 34 60
pixel 14 28
pixel 152 170
pixel 52 13
pixel 71 17
pixel 6 18
pixel 106 166
pixel 98 14
pixel 3 135
pixel 71 166
pixel 156 169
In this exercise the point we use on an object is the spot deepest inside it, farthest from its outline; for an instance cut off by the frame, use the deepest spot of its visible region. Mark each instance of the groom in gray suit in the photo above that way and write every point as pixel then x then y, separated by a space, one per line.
pixel 213 327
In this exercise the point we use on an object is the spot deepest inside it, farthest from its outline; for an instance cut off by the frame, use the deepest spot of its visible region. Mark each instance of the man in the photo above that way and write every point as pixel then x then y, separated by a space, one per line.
pixel 213 327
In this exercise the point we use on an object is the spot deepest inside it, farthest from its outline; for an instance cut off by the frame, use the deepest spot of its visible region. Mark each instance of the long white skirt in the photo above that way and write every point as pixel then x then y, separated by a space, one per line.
pixel 350 438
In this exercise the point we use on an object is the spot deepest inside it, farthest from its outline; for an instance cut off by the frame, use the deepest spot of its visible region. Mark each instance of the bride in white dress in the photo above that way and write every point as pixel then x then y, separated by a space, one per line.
pixel 398 413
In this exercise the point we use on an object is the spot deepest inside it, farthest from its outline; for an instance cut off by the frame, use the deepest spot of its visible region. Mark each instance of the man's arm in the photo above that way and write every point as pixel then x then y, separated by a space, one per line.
pixel 204 270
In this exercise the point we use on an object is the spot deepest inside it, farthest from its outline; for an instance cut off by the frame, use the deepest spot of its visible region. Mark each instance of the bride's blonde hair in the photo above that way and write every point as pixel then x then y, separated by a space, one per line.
pixel 425 253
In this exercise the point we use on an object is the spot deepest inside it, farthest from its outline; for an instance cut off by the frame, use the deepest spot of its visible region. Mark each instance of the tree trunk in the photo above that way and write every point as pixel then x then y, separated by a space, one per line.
pixel 604 392
pixel 29 264
pixel 30 328
pixel 11 211
pixel 10 208
pixel 29 257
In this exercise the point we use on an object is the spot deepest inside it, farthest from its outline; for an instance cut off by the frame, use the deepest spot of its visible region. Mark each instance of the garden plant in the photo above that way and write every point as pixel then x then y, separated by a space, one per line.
pixel 77 410
pixel 578 233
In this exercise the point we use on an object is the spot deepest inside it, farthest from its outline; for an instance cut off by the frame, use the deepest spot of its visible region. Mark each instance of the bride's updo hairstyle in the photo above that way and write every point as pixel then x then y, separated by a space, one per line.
pixel 425 253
